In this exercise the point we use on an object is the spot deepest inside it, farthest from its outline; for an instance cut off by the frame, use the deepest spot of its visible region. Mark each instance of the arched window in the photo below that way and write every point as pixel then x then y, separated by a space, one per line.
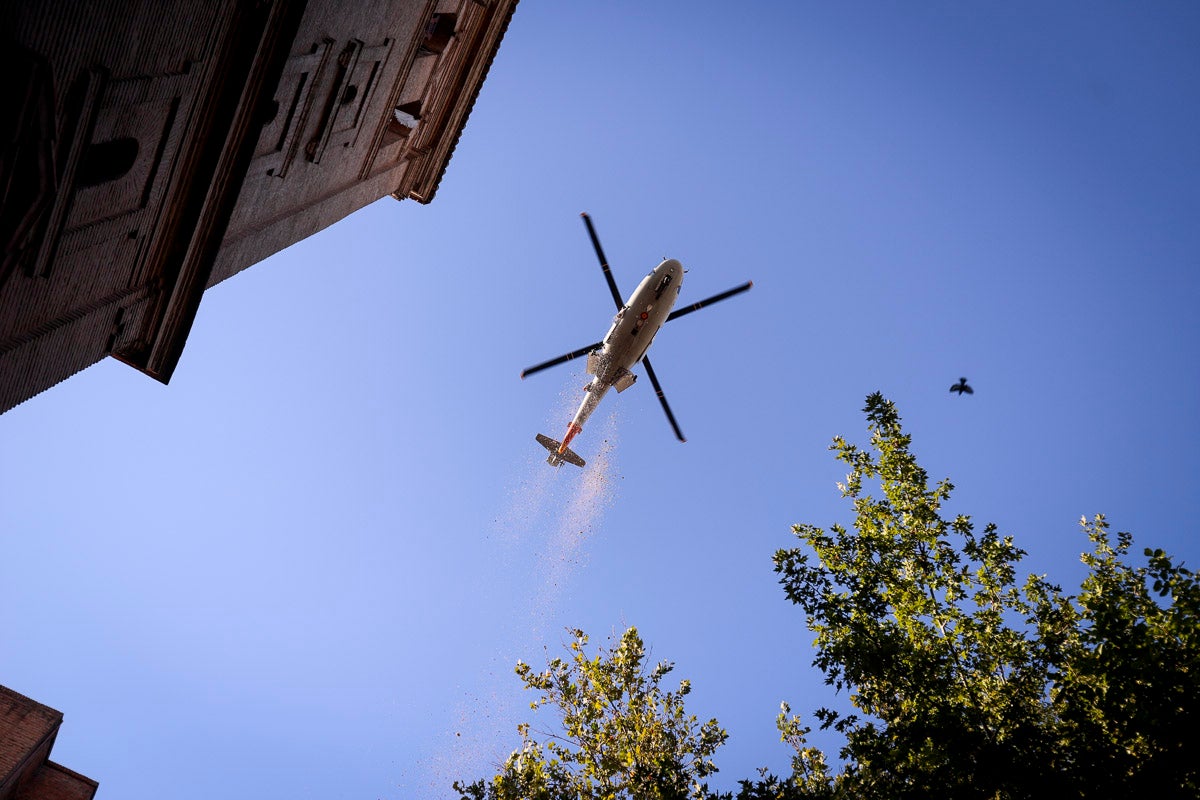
pixel 103 162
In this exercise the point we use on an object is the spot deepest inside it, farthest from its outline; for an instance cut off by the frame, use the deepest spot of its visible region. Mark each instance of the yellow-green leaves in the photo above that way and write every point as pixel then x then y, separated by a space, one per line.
pixel 967 681
pixel 622 736
pixel 975 684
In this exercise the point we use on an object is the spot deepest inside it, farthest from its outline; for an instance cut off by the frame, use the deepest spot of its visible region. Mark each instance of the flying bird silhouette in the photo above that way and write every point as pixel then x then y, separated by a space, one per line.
pixel 961 387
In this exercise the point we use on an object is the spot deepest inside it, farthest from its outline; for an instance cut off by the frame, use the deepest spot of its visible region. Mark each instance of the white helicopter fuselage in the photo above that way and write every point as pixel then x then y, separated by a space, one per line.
pixel 632 332
pixel 610 361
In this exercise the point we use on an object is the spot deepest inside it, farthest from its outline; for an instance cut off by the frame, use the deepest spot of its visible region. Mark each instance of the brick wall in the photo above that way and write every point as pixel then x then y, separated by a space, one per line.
pixel 27 733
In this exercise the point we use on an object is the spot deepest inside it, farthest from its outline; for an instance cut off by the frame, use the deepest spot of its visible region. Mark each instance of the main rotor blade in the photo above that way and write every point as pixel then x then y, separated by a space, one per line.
pixel 554 362
pixel 662 398
pixel 608 276
pixel 716 298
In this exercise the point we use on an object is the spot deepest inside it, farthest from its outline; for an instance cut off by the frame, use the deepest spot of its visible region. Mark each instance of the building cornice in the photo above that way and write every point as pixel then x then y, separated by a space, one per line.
pixel 467 84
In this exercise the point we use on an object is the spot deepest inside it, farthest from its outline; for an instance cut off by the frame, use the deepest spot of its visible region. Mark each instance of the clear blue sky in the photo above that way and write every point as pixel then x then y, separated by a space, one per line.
pixel 305 568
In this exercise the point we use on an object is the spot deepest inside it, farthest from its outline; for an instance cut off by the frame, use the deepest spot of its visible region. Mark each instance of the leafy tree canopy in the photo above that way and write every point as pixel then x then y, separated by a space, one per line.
pixel 623 735
pixel 965 680
pixel 968 682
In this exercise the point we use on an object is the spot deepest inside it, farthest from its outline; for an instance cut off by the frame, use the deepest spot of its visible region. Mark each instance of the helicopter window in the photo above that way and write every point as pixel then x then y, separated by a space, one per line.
pixel 662 286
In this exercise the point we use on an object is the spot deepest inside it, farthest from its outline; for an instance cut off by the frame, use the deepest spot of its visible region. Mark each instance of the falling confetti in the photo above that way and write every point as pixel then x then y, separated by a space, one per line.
pixel 539 539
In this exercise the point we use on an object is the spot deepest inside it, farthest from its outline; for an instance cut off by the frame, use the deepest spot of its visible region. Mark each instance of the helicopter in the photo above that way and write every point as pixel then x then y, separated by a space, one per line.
pixel 610 360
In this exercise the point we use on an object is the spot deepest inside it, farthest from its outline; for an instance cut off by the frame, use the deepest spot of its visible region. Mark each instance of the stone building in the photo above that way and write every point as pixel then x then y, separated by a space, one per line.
pixel 150 149
pixel 27 733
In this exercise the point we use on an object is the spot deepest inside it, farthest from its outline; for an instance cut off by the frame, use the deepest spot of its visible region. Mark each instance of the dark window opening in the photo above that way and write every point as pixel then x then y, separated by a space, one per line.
pixel 438 32
pixel 403 122
pixel 409 111
pixel 399 126
pixel 103 162
pixel 349 94
pixel 268 112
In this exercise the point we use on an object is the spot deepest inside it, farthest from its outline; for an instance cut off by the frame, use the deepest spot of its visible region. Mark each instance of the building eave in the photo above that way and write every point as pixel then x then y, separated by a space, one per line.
pixel 425 187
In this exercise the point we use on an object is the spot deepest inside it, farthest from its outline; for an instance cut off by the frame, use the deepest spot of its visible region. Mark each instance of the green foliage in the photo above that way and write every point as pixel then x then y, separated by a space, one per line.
pixel 810 779
pixel 623 736
pixel 970 683
pixel 1129 695
pixel 966 682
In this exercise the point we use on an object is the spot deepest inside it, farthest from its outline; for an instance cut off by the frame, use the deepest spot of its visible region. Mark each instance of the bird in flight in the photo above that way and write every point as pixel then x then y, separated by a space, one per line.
pixel 961 387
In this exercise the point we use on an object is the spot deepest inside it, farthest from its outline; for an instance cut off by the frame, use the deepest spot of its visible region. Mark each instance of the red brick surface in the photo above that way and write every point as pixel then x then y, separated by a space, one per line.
pixel 56 782
pixel 27 733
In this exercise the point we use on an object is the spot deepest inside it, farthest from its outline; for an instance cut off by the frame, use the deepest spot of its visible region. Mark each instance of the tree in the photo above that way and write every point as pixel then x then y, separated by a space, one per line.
pixel 968 684
pixel 623 736
pixel 1128 697
pixel 965 681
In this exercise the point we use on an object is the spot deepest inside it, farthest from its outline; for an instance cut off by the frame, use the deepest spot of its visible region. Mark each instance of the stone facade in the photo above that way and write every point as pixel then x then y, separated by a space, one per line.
pixel 161 146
